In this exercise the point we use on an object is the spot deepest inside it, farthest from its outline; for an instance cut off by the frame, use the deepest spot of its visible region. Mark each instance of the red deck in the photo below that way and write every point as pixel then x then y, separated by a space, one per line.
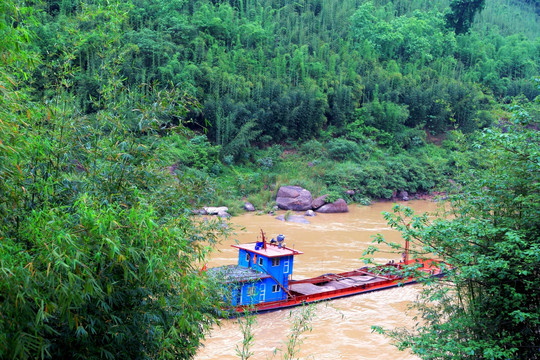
pixel 332 286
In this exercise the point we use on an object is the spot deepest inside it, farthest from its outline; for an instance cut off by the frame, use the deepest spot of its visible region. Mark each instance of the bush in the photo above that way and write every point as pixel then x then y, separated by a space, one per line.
pixel 312 148
pixel 262 200
pixel 265 163
pixel 379 179
pixel 195 153
pixel 343 149
pixel 410 138
pixel 99 285
pixel 108 272
pixel 228 160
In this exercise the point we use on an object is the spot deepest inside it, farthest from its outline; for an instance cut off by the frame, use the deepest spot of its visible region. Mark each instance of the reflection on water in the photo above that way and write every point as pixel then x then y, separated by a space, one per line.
pixel 341 328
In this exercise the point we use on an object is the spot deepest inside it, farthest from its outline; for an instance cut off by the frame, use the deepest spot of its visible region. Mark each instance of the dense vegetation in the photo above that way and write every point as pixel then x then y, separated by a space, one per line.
pixel 488 307
pixel 98 250
pixel 279 71
pixel 354 81
pixel 119 117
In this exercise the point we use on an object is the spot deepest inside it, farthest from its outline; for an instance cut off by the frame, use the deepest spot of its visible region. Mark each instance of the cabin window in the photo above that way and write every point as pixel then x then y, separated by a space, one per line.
pixel 275 262
pixel 275 288
pixel 251 291
pixel 286 267
pixel 247 257
pixel 260 261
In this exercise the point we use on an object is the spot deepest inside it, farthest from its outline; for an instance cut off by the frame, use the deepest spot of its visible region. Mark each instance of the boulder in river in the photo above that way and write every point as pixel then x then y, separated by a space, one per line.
pixel 293 198
pixel 309 213
pixel 338 206
pixel 403 195
pixel 318 202
pixel 223 214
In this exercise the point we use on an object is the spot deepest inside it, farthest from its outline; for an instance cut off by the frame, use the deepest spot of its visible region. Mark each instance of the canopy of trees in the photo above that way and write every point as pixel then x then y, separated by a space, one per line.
pixel 98 251
pixel 271 71
pixel 487 307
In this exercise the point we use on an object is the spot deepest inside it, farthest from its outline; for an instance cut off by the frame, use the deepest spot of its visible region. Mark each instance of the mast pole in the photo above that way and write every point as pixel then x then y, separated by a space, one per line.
pixel 406 259
pixel 263 239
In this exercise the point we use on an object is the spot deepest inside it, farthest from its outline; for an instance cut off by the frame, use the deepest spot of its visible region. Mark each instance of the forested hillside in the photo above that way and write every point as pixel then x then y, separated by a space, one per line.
pixel 270 71
pixel 348 81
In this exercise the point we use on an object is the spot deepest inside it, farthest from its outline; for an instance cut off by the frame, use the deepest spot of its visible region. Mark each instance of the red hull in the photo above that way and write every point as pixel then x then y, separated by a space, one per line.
pixel 333 286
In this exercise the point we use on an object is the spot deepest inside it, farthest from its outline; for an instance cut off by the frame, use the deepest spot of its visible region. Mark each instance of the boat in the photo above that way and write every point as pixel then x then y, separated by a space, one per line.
pixel 262 279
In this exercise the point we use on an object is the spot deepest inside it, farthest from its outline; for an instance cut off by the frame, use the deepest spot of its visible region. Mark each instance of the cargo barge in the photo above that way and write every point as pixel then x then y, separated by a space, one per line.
pixel 262 279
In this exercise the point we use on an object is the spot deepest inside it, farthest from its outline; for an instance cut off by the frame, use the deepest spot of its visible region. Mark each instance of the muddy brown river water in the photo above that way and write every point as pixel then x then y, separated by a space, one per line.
pixel 341 329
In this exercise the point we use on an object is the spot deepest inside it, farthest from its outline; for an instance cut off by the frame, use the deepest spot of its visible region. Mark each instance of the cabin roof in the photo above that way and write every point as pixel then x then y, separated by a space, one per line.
pixel 235 274
pixel 270 251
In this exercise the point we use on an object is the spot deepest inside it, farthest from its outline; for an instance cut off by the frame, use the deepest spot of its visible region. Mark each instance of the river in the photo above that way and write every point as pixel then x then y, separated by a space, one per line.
pixel 341 329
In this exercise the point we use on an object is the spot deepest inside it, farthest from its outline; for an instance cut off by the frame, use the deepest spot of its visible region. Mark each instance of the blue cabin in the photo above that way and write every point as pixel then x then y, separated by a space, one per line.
pixel 262 274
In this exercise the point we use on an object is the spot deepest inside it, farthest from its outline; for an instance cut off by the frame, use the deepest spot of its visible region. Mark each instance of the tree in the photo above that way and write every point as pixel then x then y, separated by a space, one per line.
pixel 488 307
pixel 462 13
pixel 98 250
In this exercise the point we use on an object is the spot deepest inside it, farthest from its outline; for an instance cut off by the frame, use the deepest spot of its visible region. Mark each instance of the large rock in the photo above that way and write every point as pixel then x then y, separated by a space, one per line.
pixel 249 206
pixel 293 198
pixel 223 214
pixel 215 210
pixel 403 195
pixel 338 206
pixel 318 202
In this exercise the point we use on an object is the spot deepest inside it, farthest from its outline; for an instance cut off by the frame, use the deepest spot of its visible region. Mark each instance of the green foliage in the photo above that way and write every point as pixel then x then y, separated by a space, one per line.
pixel 343 149
pixel 411 138
pixel 246 327
pixel 265 163
pixel 312 148
pixel 461 15
pixel 487 307
pixel 266 72
pixel 97 283
pixel 382 178
pixel 385 116
pixel 98 251
pixel 334 194
pixel 263 200
pixel 196 152
pixel 418 36
pixel 301 322
pixel 94 111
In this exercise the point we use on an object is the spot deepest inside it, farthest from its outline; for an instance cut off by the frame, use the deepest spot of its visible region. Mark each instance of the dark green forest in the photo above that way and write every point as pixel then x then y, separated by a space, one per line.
pixel 360 82
pixel 119 118
pixel 267 72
